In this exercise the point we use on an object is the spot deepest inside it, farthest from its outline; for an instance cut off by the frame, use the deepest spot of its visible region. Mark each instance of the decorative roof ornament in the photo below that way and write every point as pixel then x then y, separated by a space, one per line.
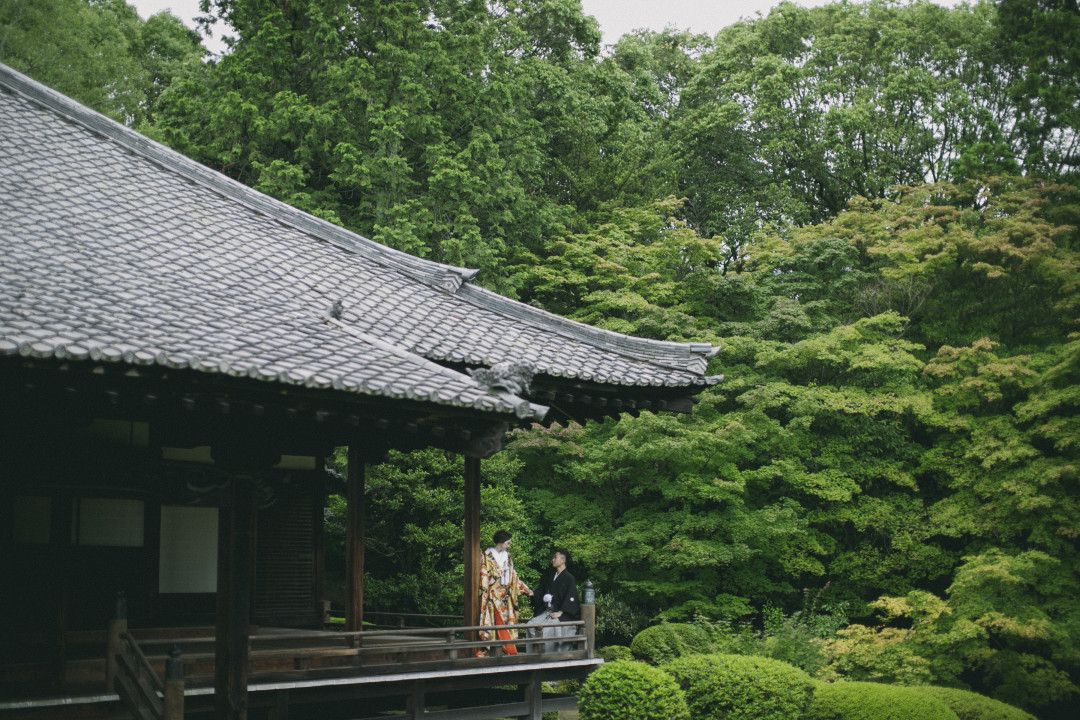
pixel 512 376
pixel 452 278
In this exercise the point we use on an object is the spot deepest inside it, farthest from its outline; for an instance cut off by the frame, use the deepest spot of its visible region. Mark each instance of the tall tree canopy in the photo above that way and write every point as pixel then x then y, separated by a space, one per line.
pixel 872 207
pixel 462 131
pixel 97 51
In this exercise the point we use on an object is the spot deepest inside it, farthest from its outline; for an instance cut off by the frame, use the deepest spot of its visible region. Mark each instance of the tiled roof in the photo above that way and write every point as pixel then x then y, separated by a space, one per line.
pixel 116 248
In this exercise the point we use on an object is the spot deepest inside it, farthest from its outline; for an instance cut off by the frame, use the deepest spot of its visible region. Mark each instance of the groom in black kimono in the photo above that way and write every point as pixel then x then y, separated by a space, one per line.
pixel 556 599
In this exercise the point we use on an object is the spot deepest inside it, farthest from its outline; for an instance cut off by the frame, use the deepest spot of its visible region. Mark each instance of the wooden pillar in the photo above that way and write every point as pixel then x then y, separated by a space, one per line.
pixel 534 696
pixel 354 542
pixel 116 627
pixel 236 531
pixel 588 614
pixel 415 701
pixel 318 580
pixel 173 702
pixel 472 541
pixel 280 709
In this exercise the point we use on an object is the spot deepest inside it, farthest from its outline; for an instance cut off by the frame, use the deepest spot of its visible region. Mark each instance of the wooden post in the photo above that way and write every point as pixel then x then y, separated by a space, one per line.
pixel 318 581
pixel 280 708
pixel 534 696
pixel 472 541
pixel 354 542
pixel 116 627
pixel 414 702
pixel 174 686
pixel 588 615
pixel 236 530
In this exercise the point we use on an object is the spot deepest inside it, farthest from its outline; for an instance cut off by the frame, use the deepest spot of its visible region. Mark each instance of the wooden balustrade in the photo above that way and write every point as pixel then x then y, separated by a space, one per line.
pixel 311 655
pixel 133 677
pixel 299 654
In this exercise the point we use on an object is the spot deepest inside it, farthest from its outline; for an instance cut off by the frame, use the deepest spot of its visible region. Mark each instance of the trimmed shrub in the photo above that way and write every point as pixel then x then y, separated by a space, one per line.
pixel 631 690
pixel 663 643
pixel 611 653
pixel 742 687
pixel 876 701
pixel 617 622
pixel 973 706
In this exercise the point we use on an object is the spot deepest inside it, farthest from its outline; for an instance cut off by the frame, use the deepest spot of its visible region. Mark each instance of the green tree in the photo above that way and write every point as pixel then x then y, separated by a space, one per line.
pixel 413 539
pixel 1009 627
pixel 461 131
pixel 1037 40
pixel 97 51
pixel 794 114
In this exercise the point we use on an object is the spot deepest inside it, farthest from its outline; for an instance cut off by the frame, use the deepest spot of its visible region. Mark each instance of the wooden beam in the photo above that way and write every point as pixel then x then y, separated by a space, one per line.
pixel 318 575
pixel 354 542
pixel 236 530
pixel 534 696
pixel 472 541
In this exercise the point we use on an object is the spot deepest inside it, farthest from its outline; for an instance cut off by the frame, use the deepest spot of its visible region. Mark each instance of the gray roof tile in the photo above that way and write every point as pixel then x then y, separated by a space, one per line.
pixel 118 249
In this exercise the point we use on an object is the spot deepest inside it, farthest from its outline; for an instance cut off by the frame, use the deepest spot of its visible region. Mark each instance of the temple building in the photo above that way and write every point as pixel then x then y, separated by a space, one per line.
pixel 178 353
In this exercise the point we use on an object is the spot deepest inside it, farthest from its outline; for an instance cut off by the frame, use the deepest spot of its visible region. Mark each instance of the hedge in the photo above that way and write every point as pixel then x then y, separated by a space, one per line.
pixel 611 653
pixel 626 689
pixel 972 706
pixel 876 701
pixel 742 687
pixel 663 643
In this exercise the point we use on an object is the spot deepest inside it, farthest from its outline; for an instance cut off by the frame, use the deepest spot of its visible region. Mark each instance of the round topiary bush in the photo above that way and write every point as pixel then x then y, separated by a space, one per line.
pixel 741 687
pixel 876 701
pixel 611 653
pixel 663 643
pixel 631 690
pixel 973 706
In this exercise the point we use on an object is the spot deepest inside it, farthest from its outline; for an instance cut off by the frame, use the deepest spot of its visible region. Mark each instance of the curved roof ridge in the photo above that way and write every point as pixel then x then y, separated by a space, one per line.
pixel 455 281
pixel 686 356
pixel 522 407
pixel 445 277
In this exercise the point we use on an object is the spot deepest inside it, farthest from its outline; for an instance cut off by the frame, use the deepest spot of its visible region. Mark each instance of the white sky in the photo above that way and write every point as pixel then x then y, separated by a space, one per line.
pixel 616 17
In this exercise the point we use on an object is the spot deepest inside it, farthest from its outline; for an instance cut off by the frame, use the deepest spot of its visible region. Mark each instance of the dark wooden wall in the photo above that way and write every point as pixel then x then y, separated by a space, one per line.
pixel 286 576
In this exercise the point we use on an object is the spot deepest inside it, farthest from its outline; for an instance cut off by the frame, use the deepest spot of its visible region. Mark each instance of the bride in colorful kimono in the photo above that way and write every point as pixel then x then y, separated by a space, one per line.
pixel 499 590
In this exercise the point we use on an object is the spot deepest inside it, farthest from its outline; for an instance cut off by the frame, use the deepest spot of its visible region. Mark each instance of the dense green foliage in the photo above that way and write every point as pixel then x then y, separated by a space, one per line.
pixel 971 706
pixel 797 639
pixel 738 687
pixel 665 642
pixel 98 52
pixel 874 701
pixel 611 653
pixel 871 207
pixel 412 542
pixel 631 690
pixel 616 621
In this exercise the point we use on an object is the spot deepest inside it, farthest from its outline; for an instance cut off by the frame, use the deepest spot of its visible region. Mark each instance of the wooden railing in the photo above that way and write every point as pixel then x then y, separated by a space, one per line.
pixel 382 619
pixel 309 655
pixel 135 673
pixel 139 686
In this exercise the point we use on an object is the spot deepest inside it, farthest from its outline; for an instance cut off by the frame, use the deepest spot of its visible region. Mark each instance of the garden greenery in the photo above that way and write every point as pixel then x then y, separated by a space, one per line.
pixel 631 690
pixel 875 701
pixel 660 643
pixel 740 687
pixel 972 706
pixel 872 209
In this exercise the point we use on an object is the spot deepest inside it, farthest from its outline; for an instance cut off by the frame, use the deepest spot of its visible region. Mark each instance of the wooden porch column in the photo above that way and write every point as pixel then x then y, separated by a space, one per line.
pixel 236 531
pixel 354 542
pixel 472 541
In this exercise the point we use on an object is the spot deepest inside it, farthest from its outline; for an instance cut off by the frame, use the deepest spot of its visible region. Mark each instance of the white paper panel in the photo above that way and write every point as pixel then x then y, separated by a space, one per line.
pixel 188 561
